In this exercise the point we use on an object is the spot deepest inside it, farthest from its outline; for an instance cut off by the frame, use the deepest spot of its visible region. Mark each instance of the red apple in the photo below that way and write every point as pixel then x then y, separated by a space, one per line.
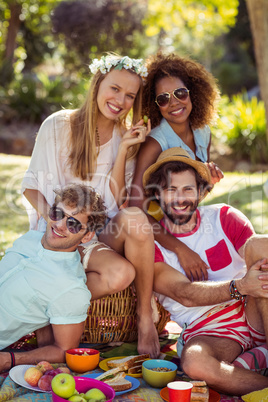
pixel 64 370
pixel 44 382
pixel 52 372
pixel 44 366
pixel 32 376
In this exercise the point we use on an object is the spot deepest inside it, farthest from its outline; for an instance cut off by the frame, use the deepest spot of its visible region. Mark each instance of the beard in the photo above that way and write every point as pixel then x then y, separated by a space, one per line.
pixel 182 218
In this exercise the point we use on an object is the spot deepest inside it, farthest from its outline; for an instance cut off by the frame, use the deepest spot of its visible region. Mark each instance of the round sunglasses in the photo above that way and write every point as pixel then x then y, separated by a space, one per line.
pixel 73 225
pixel 164 98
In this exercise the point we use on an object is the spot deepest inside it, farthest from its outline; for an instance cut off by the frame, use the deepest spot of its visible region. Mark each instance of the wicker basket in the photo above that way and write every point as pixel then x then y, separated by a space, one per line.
pixel 113 319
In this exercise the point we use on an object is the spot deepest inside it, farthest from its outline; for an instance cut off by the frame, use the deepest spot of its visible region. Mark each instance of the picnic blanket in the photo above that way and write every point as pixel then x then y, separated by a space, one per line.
pixel 10 391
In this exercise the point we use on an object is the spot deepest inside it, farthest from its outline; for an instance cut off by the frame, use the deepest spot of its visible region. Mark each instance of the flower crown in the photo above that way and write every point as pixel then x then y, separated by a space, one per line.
pixel 107 62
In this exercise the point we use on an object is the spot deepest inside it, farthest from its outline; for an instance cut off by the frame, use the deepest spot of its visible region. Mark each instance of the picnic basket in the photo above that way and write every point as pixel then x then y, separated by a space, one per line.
pixel 113 318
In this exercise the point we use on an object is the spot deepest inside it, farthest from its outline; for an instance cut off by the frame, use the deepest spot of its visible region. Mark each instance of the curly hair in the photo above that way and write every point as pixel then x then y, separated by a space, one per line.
pixel 86 200
pixel 203 87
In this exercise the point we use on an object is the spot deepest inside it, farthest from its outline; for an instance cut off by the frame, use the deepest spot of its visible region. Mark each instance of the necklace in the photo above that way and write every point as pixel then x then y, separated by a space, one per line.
pixel 97 137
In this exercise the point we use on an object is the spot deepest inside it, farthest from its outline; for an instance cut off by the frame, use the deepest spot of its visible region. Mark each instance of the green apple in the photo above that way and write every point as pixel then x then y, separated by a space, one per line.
pixel 77 398
pixel 63 385
pixel 96 394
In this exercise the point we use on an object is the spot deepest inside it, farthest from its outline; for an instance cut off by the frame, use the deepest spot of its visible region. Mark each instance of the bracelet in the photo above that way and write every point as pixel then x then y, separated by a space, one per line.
pixel 13 363
pixel 234 293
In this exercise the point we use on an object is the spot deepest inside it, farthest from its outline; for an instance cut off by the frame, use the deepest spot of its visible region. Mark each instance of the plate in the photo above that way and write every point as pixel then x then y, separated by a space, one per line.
pixel 213 395
pixel 103 365
pixel 135 383
pixel 17 375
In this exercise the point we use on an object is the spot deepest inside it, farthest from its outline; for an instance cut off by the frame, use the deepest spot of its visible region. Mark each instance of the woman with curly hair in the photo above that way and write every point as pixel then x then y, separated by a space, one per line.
pixel 180 97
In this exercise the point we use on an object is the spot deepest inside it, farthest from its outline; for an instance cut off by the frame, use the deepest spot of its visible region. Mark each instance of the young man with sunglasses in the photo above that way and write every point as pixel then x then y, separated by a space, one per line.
pixel 219 321
pixel 42 281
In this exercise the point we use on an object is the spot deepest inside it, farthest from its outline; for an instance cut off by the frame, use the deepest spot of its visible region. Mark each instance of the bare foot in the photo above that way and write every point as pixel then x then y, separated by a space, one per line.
pixel 155 315
pixel 148 341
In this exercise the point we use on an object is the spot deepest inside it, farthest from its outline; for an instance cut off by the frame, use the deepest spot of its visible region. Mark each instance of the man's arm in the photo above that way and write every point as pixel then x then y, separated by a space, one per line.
pixel 171 283
pixel 65 337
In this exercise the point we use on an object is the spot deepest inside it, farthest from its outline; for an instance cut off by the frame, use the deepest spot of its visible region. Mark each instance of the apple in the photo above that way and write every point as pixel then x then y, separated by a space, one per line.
pixel 96 394
pixel 44 366
pixel 32 376
pixel 64 370
pixel 45 382
pixel 63 385
pixel 52 372
pixel 77 398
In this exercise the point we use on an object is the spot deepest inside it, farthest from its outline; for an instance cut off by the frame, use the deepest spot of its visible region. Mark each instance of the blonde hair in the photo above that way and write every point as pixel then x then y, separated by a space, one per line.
pixel 84 152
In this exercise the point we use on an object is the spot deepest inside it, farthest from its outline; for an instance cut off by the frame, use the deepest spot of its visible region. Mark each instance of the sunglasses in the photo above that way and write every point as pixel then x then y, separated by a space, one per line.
pixel 73 225
pixel 179 94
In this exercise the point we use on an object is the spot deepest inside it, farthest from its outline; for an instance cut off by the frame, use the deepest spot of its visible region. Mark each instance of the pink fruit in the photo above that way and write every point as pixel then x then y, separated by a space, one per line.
pixel 64 370
pixel 32 376
pixel 45 382
pixel 52 372
pixel 44 366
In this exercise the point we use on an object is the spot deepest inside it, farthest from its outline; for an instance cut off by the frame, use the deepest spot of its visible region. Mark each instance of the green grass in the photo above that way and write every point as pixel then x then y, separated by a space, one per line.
pixel 244 191
pixel 241 190
pixel 13 217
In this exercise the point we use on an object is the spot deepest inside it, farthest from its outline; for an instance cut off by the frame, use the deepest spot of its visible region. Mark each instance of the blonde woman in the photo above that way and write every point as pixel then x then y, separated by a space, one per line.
pixel 93 145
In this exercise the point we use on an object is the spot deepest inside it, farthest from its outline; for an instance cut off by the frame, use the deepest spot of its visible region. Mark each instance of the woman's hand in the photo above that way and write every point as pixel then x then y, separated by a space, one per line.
pixel 136 135
pixel 215 171
pixel 195 268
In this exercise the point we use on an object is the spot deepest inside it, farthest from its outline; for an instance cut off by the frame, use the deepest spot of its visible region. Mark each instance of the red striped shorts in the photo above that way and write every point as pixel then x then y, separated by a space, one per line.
pixel 227 320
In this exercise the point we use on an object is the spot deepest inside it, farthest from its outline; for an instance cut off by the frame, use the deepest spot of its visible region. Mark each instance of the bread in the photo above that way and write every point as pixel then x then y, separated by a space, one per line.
pixel 108 375
pixel 200 391
pixel 128 362
pixel 200 397
pixel 119 383
pixel 116 379
pixel 137 369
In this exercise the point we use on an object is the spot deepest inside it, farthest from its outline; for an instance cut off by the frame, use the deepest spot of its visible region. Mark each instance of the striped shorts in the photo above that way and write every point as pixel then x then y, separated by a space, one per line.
pixel 227 320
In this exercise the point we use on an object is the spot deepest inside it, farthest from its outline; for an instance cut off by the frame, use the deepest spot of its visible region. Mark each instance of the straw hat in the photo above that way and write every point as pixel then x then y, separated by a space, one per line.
pixel 178 154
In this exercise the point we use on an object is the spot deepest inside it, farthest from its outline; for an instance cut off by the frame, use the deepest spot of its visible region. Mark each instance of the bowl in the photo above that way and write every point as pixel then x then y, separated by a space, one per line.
pixel 79 362
pixel 158 379
pixel 84 384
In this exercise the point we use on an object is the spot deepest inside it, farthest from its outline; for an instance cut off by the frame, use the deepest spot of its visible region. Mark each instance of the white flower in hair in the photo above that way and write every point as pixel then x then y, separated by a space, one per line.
pixel 94 66
pixel 127 62
pixel 106 63
pixel 143 71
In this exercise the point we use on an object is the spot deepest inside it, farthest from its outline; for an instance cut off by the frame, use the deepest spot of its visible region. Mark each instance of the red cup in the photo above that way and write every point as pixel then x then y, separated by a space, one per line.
pixel 179 391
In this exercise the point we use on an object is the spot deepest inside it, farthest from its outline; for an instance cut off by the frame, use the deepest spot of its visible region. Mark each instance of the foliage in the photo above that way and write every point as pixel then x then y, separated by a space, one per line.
pixel 236 67
pixel 33 98
pixel 90 28
pixel 190 27
pixel 242 124
pixel 26 33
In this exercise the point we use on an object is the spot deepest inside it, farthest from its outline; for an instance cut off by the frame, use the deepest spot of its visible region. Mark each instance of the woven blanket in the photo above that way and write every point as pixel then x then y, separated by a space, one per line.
pixel 10 391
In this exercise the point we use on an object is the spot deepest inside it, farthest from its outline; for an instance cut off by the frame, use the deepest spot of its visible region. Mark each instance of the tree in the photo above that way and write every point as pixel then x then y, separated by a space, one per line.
pixel 89 28
pixel 190 26
pixel 258 15
pixel 30 19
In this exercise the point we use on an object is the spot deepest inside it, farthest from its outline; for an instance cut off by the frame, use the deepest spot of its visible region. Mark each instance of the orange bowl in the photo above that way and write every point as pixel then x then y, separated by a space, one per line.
pixel 81 360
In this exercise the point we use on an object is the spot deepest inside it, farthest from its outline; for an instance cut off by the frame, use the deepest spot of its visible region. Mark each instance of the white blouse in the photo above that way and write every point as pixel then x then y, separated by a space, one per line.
pixel 49 168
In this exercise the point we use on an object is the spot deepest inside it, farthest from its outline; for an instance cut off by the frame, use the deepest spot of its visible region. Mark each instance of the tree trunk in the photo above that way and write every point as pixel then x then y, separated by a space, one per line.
pixel 6 72
pixel 14 24
pixel 258 16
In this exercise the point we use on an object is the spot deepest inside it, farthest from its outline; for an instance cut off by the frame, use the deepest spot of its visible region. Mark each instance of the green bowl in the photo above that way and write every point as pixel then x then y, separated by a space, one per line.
pixel 158 379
